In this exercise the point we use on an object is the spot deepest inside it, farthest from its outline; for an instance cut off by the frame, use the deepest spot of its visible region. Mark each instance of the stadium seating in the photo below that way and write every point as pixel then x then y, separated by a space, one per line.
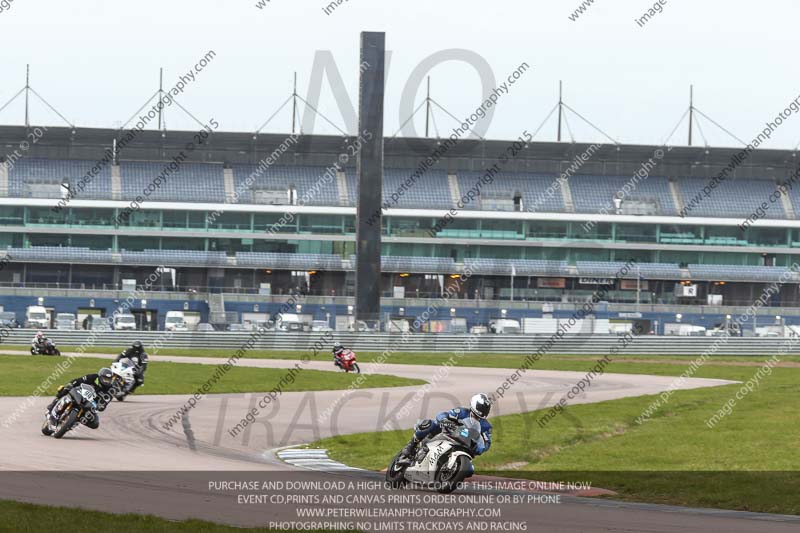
pixel 521 267
pixel 42 178
pixel 431 191
pixel 174 257
pixel 59 254
pixel 606 269
pixel 288 261
pixel 430 265
pixel 205 182
pixel 742 273
pixel 308 181
pixel 591 194
pixel 192 182
pixel 506 186
pixel 735 198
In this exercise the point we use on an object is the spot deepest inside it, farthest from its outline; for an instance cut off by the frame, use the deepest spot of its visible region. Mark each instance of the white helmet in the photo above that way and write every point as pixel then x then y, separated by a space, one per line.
pixel 39 334
pixel 480 405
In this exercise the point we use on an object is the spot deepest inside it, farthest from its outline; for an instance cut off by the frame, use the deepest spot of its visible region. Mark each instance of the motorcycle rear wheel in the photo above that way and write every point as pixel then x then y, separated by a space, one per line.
pixel 67 425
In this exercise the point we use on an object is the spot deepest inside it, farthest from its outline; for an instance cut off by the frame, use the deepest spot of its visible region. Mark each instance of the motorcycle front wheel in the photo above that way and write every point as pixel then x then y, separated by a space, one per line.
pixel 447 479
pixel 395 475
pixel 357 368
pixel 46 431
pixel 67 424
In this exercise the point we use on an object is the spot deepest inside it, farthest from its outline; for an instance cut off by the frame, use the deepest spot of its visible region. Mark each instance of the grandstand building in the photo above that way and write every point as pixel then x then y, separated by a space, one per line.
pixel 243 220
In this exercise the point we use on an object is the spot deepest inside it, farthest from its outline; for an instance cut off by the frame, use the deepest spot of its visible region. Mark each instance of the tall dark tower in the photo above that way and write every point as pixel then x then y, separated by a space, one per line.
pixel 370 176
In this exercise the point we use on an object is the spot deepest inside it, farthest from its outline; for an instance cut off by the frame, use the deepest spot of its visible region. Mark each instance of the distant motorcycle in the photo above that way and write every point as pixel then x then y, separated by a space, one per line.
pixel 348 362
pixel 70 410
pixel 49 348
pixel 126 370
pixel 442 461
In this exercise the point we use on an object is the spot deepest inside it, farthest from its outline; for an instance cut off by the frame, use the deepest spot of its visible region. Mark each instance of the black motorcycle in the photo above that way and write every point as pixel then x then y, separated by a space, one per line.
pixel 75 407
pixel 49 348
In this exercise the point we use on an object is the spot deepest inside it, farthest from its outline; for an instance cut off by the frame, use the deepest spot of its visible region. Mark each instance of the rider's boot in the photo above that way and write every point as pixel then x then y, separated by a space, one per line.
pixel 411 448
pixel 139 382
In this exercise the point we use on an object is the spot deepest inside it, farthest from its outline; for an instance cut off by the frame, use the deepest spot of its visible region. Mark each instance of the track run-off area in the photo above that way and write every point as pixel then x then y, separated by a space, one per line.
pixel 114 465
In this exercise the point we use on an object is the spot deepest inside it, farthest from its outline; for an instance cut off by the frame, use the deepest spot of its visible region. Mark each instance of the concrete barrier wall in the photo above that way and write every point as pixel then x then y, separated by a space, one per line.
pixel 378 342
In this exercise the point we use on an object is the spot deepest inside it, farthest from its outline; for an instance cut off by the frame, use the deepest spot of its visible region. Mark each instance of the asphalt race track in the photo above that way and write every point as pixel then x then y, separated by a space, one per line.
pixel 164 470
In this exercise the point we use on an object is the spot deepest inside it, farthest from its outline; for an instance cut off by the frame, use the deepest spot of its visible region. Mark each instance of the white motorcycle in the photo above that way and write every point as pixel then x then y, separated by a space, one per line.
pixel 126 370
pixel 442 461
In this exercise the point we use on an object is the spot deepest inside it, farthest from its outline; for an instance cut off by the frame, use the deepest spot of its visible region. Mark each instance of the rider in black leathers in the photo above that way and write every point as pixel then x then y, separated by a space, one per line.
pixel 103 383
pixel 136 354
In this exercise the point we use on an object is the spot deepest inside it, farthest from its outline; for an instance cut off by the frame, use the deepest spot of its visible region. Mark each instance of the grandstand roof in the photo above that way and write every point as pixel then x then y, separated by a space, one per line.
pixel 545 157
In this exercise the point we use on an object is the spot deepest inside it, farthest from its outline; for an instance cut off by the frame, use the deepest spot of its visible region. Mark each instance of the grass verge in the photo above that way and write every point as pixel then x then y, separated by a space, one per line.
pixel 481 360
pixel 746 462
pixel 21 375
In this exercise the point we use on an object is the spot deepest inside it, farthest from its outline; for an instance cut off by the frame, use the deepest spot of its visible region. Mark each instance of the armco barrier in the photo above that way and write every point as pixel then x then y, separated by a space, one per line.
pixel 378 342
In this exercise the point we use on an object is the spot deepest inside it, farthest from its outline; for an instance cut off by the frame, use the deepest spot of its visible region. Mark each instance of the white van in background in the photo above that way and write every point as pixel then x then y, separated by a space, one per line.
pixel 36 317
pixel 65 321
pixel 125 322
pixel 504 326
pixel 175 321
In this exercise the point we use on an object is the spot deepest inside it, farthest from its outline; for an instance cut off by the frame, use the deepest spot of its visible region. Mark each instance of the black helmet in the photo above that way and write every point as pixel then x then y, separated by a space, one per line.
pixel 105 377
pixel 480 405
pixel 337 349
pixel 137 347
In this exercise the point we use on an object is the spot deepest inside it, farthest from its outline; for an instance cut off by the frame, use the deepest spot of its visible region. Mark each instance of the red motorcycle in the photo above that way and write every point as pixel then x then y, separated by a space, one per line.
pixel 347 362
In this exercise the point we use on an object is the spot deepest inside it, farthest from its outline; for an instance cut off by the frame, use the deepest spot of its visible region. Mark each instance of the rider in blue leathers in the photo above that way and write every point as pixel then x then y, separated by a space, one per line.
pixel 479 408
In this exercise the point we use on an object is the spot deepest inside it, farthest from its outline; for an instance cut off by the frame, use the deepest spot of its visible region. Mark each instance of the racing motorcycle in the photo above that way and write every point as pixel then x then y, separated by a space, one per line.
pixel 348 362
pixel 80 403
pixel 442 461
pixel 126 370
pixel 49 348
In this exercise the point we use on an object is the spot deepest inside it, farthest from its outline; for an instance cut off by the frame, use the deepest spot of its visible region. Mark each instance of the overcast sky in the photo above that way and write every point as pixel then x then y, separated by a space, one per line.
pixel 97 62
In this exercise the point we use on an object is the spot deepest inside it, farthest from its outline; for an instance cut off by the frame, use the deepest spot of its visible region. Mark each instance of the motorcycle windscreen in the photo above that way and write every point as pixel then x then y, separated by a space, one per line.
pixel 469 434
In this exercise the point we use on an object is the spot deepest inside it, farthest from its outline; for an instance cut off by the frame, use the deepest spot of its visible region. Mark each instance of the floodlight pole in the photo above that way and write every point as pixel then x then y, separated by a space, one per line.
pixel 27 91
pixel 294 104
pixel 160 94
pixel 428 107
pixel 691 111
pixel 560 108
